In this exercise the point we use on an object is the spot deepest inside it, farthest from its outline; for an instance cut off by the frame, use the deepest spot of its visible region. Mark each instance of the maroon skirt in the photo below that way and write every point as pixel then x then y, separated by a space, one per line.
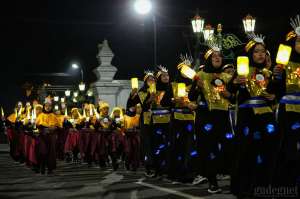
pixel 133 142
pixel 47 147
pixel 84 140
pixel 72 140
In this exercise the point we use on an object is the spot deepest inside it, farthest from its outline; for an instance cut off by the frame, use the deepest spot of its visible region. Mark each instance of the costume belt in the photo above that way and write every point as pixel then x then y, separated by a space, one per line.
pixel 254 102
pixel 160 112
pixel 292 98
pixel 182 110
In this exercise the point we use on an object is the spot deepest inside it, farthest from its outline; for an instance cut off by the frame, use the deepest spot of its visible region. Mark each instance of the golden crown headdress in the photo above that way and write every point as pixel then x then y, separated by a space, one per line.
pixel 185 60
pixel 213 47
pixel 161 69
pixel 148 73
pixel 254 39
pixel 295 23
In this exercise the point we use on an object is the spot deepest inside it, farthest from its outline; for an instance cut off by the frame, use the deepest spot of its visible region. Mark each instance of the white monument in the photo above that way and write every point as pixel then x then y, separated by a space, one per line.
pixel 115 92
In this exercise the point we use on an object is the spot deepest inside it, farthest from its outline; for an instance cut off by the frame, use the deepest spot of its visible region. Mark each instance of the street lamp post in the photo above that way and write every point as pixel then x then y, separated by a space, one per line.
pixel 197 25
pixel 155 39
pixel 81 85
pixel 144 7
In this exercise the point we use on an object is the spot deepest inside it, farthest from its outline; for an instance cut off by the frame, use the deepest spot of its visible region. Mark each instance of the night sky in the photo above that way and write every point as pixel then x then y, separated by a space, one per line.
pixel 46 36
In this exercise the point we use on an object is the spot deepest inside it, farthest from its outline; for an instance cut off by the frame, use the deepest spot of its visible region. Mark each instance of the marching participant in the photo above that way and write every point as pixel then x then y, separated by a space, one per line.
pixel 183 142
pixel 139 97
pixel 73 124
pixel 108 145
pixel 88 139
pixel 47 124
pixel 160 121
pixel 289 110
pixel 14 125
pixel 212 122
pixel 132 145
pixel 257 131
pixel 117 118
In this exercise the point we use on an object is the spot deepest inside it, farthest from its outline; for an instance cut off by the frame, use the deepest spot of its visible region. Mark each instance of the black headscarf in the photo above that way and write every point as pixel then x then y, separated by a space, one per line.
pixel 145 85
pixel 250 55
pixel 160 86
pixel 208 68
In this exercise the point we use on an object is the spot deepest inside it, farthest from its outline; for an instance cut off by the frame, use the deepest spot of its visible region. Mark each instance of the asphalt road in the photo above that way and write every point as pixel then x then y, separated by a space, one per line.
pixel 78 181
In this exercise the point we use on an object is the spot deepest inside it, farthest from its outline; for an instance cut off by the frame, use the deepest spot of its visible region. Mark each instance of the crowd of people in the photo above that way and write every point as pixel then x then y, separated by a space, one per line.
pixel 212 125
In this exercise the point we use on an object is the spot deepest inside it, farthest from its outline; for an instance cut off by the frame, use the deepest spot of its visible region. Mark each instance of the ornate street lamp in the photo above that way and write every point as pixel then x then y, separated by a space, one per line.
pixel 249 24
pixel 197 24
pixel 208 32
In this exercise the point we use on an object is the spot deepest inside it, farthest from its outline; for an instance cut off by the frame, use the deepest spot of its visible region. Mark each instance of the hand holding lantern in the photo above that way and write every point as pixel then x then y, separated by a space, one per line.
pixel 282 59
pixel 181 91
pixel 242 69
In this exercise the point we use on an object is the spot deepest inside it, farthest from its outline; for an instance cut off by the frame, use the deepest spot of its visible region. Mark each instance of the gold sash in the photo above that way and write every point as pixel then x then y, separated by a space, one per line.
pixel 213 98
pixel 184 116
pixel 142 96
pixel 293 77
pixel 161 119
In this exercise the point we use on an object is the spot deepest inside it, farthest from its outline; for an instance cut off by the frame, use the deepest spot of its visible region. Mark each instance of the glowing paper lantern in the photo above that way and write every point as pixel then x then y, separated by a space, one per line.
pixel 134 83
pixel 243 66
pixel 67 93
pixel 56 98
pixel 283 54
pixel 181 90
pixel 188 72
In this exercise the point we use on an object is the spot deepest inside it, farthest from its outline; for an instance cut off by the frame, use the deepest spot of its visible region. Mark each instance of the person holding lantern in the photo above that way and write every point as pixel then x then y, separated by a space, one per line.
pixel 61 131
pixel 182 136
pixel 136 96
pixel 87 140
pixel 73 124
pixel 214 136
pixel 14 125
pixel 132 144
pixel 47 124
pixel 257 131
pixel 288 72
pixel 117 127
pixel 107 144
pixel 160 108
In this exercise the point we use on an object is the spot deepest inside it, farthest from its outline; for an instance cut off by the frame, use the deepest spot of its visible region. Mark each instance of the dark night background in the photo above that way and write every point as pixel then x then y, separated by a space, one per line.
pixel 46 36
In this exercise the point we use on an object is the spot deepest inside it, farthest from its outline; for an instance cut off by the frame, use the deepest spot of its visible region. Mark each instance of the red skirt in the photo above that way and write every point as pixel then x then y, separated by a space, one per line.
pixel 84 140
pixel 72 140
pixel 133 142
